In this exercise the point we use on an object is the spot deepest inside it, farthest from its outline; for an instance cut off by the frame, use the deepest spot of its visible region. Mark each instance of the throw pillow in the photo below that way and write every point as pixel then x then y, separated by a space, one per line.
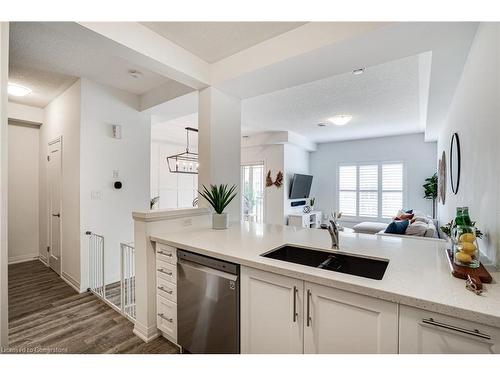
pixel 417 229
pixel 397 227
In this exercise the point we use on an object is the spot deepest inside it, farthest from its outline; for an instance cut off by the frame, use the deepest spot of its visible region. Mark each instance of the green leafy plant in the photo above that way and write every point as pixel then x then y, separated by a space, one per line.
pixel 431 191
pixel 219 197
pixel 311 202
pixel 448 229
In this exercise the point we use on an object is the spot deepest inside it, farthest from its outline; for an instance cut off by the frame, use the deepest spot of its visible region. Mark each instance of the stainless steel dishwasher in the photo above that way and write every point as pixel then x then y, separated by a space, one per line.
pixel 208 304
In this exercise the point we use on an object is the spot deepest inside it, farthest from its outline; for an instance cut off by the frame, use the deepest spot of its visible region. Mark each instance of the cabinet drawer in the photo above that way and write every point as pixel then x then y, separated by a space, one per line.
pixel 166 272
pixel 167 290
pixel 167 317
pixel 422 331
pixel 166 253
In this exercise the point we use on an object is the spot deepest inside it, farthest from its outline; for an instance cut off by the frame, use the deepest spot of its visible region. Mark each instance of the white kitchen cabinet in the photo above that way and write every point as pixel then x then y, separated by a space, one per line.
pixel 340 322
pixel 337 321
pixel 271 313
pixel 421 331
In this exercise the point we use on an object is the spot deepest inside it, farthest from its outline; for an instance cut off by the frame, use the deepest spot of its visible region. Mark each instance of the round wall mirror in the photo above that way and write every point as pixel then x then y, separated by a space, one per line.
pixel 455 163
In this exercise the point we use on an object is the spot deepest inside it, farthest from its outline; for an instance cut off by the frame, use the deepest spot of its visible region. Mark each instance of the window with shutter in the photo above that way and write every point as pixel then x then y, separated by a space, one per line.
pixel 374 190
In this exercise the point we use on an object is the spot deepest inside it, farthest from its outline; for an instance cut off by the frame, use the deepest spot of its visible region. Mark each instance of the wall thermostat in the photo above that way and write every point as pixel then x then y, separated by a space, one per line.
pixel 117 185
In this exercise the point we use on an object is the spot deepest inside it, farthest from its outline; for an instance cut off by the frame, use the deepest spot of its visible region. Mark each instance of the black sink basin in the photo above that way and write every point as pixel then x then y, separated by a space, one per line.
pixel 352 265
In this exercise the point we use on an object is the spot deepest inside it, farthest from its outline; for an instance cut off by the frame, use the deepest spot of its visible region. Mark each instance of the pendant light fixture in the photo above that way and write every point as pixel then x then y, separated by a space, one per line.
pixel 186 162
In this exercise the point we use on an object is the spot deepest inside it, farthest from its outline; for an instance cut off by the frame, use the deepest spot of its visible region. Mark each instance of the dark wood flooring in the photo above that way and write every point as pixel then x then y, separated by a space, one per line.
pixel 48 316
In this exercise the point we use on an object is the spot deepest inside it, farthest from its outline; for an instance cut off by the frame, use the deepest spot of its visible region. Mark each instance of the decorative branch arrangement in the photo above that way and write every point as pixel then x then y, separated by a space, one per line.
pixel 278 182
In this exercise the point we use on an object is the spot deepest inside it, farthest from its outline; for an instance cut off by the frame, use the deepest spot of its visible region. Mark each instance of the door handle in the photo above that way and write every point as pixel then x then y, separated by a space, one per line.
pixel 162 270
pixel 56 215
pixel 295 313
pixel 308 317
pixel 475 332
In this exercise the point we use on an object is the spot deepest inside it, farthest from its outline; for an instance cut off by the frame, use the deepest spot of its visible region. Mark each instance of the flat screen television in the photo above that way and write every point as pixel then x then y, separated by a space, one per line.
pixel 301 186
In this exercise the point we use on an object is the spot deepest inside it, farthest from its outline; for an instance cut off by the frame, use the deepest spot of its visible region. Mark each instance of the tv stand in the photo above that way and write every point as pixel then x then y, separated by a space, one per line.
pixel 306 220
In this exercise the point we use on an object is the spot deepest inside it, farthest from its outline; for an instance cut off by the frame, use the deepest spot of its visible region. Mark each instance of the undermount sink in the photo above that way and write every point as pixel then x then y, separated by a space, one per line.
pixel 352 265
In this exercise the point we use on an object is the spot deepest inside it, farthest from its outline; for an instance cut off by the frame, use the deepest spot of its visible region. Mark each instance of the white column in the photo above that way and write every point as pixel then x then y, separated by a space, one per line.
pixel 4 76
pixel 219 143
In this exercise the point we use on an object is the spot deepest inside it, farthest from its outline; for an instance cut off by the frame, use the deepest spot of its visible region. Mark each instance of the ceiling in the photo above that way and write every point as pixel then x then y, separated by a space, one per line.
pixel 214 41
pixel 383 101
pixel 45 85
pixel 173 131
pixel 46 60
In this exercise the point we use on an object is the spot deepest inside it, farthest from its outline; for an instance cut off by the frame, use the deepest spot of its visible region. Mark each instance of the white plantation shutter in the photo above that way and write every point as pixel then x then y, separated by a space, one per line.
pixel 370 190
pixel 392 189
pixel 348 189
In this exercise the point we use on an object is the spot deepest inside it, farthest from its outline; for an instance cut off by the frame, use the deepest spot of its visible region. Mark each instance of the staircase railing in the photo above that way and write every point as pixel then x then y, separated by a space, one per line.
pixel 128 279
pixel 119 295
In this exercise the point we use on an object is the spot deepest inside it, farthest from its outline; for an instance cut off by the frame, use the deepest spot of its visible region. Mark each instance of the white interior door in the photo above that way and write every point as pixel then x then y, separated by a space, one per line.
pixel 54 205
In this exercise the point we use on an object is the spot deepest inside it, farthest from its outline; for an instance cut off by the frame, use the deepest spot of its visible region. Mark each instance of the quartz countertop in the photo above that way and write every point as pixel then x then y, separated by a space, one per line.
pixel 418 273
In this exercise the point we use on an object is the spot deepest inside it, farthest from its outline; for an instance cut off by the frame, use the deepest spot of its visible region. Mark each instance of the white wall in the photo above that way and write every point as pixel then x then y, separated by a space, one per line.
pixel 23 199
pixel 287 158
pixel 296 161
pixel 418 156
pixel 25 113
pixel 273 158
pixel 101 155
pixel 4 73
pixel 475 115
pixel 176 190
pixel 62 119
pixel 219 144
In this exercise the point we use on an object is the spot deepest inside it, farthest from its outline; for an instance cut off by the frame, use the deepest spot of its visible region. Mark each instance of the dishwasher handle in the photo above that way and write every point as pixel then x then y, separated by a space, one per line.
pixel 198 267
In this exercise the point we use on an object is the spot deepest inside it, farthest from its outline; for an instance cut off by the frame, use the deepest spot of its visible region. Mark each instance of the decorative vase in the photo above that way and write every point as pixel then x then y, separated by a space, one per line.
pixel 220 221
pixel 465 249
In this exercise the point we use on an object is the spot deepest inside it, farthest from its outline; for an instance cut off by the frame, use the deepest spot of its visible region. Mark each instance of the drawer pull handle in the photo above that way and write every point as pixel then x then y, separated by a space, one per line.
pixel 474 332
pixel 162 270
pixel 165 290
pixel 170 255
pixel 170 320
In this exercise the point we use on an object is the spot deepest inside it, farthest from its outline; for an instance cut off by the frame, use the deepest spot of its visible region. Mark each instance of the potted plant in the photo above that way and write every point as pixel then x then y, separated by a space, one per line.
pixel 219 198
pixel 431 191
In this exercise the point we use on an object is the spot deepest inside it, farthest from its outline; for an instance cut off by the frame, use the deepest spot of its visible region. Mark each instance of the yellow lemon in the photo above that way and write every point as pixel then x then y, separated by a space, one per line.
pixel 468 247
pixel 463 257
pixel 467 237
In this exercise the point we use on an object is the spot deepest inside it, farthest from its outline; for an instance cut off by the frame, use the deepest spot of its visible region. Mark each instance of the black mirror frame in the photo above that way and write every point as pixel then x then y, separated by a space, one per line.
pixel 455 139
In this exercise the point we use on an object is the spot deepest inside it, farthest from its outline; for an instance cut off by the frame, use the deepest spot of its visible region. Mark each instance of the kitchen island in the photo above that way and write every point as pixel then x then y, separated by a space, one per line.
pixel 416 307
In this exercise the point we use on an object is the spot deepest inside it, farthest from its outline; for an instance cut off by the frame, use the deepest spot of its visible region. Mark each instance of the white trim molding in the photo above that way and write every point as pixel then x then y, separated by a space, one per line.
pixel 23 258
pixel 175 213
pixel 146 334
pixel 71 282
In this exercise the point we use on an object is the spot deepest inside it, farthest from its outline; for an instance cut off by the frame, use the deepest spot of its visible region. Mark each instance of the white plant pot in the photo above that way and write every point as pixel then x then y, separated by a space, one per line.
pixel 220 221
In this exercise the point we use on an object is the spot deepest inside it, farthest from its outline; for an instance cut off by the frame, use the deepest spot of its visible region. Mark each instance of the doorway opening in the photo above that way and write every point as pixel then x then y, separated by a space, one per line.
pixel 252 197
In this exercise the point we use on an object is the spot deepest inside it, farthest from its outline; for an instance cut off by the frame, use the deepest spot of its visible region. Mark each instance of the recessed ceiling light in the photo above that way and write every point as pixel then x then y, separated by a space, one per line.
pixel 359 71
pixel 18 90
pixel 340 120
pixel 135 73
pixel 322 124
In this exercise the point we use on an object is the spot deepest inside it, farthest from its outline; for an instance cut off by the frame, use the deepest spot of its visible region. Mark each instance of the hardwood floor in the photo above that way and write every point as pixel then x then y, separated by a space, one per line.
pixel 48 316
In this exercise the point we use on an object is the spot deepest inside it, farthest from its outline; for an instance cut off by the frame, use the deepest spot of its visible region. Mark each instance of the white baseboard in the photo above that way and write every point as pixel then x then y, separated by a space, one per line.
pixel 23 258
pixel 43 259
pixel 146 334
pixel 70 281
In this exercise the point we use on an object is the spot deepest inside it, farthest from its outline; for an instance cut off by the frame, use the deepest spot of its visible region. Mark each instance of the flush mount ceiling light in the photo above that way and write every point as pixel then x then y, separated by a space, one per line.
pixel 340 120
pixel 135 74
pixel 18 90
pixel 359 71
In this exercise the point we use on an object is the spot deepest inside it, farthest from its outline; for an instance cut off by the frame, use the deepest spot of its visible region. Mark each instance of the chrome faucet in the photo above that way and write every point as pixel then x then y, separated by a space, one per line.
pixel 333 229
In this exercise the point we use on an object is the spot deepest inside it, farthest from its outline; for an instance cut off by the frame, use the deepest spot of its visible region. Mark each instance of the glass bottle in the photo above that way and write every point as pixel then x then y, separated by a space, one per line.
pixel 466 251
